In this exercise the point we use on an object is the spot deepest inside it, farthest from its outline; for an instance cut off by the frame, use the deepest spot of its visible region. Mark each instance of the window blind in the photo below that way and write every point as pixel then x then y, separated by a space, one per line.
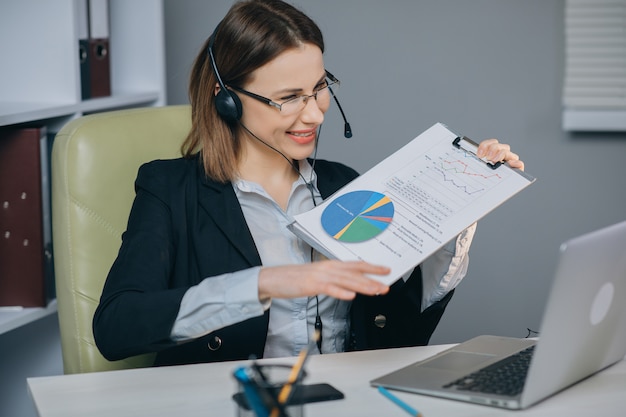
pixel 594 90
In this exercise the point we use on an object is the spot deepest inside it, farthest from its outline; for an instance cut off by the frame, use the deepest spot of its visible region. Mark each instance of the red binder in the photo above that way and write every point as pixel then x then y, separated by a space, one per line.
pixel 22 259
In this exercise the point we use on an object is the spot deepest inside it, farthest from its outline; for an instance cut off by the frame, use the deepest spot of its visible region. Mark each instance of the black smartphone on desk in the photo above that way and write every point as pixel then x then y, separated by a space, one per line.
pixel 302 394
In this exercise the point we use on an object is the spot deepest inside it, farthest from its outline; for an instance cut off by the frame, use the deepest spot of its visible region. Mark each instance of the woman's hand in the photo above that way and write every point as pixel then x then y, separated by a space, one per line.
pixel 495 151
pixel 342 280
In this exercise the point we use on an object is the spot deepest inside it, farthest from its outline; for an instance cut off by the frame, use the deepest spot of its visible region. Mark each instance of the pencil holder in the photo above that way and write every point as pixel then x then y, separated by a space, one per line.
pixel 258 390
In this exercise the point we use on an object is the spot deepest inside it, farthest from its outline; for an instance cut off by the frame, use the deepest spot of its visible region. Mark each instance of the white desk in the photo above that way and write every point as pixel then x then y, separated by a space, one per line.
pixel 205 391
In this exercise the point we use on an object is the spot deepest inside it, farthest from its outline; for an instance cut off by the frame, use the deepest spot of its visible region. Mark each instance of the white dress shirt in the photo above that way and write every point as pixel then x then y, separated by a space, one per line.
pixel 233 297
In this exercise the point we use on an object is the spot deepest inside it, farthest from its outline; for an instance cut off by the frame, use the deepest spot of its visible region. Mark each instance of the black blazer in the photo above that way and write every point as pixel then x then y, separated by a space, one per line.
pixel 183 228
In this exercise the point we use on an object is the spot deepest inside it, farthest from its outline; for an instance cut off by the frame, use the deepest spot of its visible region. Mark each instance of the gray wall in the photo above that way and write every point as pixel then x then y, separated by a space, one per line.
pixel 486 68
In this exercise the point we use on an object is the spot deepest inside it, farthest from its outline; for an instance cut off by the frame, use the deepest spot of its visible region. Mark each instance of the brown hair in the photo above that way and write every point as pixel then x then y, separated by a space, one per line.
pixel 252 33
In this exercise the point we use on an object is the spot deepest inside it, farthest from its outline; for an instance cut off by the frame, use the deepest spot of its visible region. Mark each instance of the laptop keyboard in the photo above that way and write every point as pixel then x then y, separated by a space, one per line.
pixel 505 377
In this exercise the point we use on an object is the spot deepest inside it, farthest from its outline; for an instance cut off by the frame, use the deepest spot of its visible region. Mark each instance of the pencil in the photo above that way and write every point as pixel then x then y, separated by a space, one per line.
pixel 295 374
pixel 397 401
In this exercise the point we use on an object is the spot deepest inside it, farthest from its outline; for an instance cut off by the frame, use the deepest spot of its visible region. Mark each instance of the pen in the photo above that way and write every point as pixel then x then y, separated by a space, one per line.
pixel 268 395
pixel 242 374
pixel 295 374
pixel 397 401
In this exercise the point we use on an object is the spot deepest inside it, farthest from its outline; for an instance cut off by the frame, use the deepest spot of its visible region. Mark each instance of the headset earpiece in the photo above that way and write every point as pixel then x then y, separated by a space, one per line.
pixel 227 104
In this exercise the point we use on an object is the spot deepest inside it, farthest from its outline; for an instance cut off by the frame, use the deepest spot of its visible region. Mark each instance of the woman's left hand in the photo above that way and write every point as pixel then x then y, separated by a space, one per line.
pixel 495 151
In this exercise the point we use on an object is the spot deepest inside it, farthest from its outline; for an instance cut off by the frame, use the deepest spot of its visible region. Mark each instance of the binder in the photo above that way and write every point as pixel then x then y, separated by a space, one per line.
pixel 22 259
pixel 83 49
pixel 99 52
pixel 45 152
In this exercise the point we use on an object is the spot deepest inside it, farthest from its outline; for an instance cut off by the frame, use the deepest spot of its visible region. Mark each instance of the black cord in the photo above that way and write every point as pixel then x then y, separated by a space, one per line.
pixel 318 325
pixel 531 333
pixel 309 184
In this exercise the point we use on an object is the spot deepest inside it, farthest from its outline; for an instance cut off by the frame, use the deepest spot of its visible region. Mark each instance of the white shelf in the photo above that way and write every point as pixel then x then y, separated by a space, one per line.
pixel 15 112
pixel 14 317
pixel 39 43
pixel 40 74
pixel 12 112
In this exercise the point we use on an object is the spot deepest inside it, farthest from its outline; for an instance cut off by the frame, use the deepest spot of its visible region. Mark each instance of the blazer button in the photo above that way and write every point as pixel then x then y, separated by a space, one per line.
pixel 214 343
pixel 380 321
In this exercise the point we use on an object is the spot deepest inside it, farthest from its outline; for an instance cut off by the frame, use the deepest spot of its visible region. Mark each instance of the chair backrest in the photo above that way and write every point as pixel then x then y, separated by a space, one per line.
pixel 94 164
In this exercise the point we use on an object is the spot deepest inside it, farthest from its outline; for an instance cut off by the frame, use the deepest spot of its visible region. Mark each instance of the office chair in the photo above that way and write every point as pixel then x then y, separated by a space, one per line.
pixel 94 164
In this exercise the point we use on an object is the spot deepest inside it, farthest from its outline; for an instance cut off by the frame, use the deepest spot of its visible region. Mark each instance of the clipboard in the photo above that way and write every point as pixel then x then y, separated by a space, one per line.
pixel 410 204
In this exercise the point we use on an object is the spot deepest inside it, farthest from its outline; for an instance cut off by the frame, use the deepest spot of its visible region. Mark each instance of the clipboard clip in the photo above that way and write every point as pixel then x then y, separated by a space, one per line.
pixel 471 147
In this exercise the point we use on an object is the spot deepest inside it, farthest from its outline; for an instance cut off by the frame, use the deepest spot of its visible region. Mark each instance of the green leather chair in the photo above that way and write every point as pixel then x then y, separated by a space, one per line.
pixel 94 164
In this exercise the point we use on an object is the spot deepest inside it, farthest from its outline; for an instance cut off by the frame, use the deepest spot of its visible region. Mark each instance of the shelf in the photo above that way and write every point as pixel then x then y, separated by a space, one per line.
pixel 40 82
pixel 120 100
pixel 43 81
pixel 22 112
pixel 14 317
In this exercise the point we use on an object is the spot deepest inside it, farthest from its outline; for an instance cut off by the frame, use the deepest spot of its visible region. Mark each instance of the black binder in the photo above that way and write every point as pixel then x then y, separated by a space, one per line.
pixel 83 49
pixel 99 52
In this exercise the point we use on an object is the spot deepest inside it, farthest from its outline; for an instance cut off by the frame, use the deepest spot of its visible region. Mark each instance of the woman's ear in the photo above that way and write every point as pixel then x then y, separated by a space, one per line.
pixel 217 89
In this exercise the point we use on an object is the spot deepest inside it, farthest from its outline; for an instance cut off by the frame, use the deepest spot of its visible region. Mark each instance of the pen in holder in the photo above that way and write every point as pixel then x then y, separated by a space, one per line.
pixel 259 388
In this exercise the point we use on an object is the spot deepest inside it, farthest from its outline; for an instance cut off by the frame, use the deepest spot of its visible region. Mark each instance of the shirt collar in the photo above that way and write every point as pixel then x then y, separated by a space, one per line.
pixel 307 176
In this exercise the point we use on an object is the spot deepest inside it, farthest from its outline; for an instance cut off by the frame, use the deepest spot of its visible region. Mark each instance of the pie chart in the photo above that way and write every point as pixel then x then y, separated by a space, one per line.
pixel 357 216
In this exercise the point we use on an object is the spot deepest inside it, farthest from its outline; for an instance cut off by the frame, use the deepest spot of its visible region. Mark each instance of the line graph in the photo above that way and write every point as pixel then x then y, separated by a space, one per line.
pixel 437 187
pixel 450 171
pixel 466 170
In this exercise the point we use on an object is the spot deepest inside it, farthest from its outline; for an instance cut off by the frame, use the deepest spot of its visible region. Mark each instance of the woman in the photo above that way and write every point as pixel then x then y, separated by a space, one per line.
pixel 207 269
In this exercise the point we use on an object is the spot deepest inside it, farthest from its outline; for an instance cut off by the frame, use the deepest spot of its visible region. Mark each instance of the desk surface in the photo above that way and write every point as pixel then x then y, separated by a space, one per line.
pixel 205 390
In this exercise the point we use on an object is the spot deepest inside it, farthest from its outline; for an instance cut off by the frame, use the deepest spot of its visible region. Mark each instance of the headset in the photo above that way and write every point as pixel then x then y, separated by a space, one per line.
pixel 228 104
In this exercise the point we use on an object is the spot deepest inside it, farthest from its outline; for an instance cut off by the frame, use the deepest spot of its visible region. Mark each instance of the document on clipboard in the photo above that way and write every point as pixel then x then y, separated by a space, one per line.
pixel 409 205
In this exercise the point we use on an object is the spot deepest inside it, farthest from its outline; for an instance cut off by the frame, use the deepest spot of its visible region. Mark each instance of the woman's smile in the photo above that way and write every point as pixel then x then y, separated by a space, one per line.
pixel 303 137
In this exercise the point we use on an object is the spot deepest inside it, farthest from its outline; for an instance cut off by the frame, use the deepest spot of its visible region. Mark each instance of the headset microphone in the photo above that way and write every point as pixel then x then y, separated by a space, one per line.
pixel 347 130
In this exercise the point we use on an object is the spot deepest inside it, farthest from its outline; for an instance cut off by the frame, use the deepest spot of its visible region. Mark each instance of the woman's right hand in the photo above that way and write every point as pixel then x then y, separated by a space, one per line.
pixel 338 279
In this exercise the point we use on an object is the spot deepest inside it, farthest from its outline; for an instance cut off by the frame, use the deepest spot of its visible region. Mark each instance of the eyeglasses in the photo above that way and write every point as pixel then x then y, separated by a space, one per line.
pixel 295 103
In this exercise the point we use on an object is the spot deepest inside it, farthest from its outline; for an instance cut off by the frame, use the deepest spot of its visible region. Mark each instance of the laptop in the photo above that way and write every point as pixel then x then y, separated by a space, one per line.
pixel 583 331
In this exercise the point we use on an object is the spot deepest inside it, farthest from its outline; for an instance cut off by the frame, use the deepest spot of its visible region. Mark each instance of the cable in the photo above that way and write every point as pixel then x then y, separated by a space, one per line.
pixel 309 184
